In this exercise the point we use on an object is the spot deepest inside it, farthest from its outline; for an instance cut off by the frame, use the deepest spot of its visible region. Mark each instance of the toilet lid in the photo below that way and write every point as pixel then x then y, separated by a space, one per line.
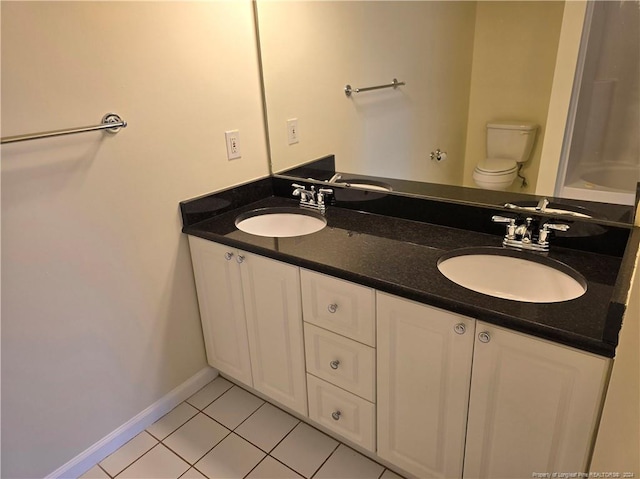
pixel 497 166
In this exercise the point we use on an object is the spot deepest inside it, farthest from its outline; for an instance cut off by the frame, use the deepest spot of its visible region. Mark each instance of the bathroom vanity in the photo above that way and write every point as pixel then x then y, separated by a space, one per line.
pixel 355 330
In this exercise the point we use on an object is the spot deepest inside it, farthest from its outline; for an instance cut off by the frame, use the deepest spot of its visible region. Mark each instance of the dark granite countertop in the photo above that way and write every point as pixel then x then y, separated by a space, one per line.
pixel 399 256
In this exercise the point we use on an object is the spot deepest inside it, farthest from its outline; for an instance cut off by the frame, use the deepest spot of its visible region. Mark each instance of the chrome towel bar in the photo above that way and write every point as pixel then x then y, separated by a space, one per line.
pixel 111 122
pixel 395 84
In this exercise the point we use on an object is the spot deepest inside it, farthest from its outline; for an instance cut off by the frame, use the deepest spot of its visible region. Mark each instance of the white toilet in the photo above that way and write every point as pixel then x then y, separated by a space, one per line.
pixel 509 144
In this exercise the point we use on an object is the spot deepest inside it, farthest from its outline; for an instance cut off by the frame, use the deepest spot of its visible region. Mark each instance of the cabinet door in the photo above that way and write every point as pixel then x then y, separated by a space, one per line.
pixel 219 288
pixel 274 323
pixel 424 369
pixel 533 406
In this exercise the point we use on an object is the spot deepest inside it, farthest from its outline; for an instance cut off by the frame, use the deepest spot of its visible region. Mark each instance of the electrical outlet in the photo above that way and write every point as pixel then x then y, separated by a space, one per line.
pixel 292 130
pixel 233 144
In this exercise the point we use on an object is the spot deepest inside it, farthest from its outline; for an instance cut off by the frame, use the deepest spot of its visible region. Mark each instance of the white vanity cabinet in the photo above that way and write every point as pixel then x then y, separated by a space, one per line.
pixel 221 301
pixel 533 407
pixel 424 369
pixel 339 332
pixel 435 393
pixel 252 320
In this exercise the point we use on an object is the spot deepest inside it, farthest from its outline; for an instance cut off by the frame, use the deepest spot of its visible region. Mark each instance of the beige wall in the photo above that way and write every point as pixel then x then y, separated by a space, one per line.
pixel 311 50
pixel 618 442
pixel 99 315
pixel 513 65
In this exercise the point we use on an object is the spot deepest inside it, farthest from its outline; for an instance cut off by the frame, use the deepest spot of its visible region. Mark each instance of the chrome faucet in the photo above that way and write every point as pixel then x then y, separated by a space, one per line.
pixel 310 198
pixel 525 231
pixel 524 236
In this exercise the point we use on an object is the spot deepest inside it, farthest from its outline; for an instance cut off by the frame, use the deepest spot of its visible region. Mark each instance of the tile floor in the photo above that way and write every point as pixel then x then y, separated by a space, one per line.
pixel 223 431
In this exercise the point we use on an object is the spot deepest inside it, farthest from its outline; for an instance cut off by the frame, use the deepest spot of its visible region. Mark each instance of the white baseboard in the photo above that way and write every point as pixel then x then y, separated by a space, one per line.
pixel 111 442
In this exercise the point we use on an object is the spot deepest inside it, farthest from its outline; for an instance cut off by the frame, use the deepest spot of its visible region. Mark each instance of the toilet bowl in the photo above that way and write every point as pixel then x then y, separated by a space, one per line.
pixel 509 145
pixel 495 173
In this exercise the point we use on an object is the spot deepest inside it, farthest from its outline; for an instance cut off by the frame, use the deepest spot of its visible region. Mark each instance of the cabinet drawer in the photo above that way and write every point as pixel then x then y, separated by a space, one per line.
pixel 340 361
pixel 342 412
pixel 340 306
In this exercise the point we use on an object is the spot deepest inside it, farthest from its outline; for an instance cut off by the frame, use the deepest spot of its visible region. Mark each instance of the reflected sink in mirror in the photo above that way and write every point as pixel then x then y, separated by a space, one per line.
pixel 280 222
pixel 364 184
pixel 513 275
pixel 553 209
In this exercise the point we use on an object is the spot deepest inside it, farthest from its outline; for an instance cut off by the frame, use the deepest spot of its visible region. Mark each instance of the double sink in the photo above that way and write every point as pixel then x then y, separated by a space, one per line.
pixel 498 272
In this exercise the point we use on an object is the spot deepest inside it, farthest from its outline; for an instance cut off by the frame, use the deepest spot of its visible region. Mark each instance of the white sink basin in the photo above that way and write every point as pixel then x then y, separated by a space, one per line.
pixel 512 275
pixel 280 222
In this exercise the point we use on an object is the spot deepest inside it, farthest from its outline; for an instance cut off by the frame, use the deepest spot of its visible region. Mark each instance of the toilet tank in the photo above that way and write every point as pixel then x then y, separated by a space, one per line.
pixel 510 140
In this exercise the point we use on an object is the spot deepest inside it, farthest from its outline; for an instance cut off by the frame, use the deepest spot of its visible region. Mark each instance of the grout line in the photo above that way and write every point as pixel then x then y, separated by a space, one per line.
pixel 245 419
pixel 254 467
pixel 208 450
pixel 162 439
pixel 132 463
pixel 210 403
pixel 200 471
pixel 284 437
pixel 103 470
pixel 120 471
pixel 324 462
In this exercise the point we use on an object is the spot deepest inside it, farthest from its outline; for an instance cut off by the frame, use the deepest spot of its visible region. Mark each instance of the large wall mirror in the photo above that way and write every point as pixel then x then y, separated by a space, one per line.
pixel 464 64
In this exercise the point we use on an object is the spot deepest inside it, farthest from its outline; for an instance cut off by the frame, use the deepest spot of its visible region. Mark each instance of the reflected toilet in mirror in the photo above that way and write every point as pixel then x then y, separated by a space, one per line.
pixel 509 146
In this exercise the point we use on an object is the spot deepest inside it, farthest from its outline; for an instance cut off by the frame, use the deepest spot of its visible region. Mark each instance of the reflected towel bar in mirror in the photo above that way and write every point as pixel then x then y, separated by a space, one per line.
pixel 395 84
pixel 111 122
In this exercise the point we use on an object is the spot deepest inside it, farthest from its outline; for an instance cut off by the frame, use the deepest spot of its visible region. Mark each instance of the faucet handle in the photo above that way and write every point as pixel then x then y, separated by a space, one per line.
pixel 510 222
pixel 503 219
pixel 321 193
pixel 543 235
pixel 555 226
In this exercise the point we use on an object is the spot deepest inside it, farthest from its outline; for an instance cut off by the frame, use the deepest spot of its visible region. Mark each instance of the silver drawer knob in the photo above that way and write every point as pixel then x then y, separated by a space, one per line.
pixel 484 337
pixel 240 258
pixel 460 328
pixel 334 364
pixel 332 308
pixel 336 415
pixel 228 255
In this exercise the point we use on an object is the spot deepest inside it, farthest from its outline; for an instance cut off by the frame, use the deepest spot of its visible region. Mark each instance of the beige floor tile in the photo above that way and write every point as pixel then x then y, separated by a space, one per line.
pixel 193 474
pixel 232 458
pixel 304 449
pixel 128 453
pixel 388 474
pixel 269 468
pixel 233 407
pixel 345 463
pixel 158 463
pixel 95 473
pixel 172 421
pixel 196 437
pixel 210 393
pixel 267 426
